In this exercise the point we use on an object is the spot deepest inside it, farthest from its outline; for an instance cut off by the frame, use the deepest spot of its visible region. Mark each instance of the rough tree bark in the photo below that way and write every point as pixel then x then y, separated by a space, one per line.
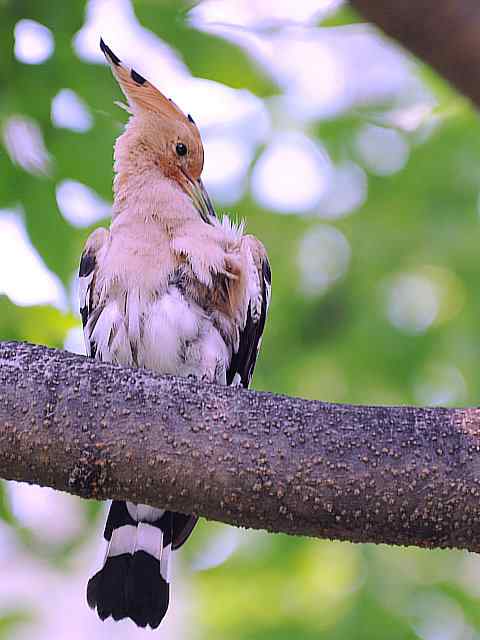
pixel 400 475
pixel 444 33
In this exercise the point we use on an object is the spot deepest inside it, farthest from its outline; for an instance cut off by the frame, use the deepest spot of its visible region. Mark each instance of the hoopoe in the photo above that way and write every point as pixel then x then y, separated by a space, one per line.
pixel 169 287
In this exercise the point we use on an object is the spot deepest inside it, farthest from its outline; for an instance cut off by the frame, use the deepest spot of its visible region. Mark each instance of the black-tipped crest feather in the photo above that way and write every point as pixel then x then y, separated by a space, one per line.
pixel 136 77
pixel 108 53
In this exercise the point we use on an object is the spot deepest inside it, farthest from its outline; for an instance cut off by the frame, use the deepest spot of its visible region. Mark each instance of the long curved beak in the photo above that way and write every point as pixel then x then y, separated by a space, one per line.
pixel 195 189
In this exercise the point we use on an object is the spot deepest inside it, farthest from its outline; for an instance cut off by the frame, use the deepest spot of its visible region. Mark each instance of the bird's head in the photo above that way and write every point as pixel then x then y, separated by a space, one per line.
pixel 159 137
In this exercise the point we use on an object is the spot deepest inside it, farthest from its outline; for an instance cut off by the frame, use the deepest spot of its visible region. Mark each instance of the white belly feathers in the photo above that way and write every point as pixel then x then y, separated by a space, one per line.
pixel 166 333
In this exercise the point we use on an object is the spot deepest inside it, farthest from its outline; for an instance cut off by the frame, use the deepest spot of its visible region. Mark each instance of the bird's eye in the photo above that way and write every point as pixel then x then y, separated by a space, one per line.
pixel 181 149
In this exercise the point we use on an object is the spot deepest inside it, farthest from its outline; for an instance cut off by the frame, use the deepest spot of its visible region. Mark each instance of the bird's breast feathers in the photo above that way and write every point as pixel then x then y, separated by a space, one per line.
pixel 175 304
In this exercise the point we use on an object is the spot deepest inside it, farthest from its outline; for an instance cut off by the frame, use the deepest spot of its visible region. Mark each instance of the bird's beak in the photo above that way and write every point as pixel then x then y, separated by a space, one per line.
pixel 195 189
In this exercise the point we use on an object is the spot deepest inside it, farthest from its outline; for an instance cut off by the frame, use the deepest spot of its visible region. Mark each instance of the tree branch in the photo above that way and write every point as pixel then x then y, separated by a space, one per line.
pixel 444 33
pixel 399 475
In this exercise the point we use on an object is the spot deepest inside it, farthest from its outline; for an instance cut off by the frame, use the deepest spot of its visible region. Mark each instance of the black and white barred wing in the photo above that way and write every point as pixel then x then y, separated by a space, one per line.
pixel 244 357
pixel 87 293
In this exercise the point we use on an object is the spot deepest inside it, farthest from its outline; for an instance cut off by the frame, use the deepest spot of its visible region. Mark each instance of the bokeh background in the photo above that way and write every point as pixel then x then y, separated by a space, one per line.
pixel 360 170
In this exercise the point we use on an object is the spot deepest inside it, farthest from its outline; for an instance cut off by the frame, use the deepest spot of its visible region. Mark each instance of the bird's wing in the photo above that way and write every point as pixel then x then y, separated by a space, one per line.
pixel 244 356
pixel 87 293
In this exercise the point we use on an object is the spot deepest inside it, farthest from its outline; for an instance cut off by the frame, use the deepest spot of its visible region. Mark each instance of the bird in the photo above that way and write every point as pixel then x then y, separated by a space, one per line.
pixel 172 287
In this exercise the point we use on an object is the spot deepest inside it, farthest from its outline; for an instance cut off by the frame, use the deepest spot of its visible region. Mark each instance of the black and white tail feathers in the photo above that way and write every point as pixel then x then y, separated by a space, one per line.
pixel 134 580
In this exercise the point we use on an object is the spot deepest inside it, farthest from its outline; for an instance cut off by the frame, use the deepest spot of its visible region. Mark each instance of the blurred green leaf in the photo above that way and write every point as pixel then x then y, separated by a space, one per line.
pixel 5 512
pixel 344 16
pixel 14 620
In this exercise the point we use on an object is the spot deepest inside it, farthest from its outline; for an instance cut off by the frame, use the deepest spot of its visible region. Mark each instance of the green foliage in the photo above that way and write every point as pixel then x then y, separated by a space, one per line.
pixel 339 346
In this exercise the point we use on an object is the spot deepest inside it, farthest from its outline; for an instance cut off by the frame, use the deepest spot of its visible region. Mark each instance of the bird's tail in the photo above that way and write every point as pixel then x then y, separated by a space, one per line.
pixel 134 580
